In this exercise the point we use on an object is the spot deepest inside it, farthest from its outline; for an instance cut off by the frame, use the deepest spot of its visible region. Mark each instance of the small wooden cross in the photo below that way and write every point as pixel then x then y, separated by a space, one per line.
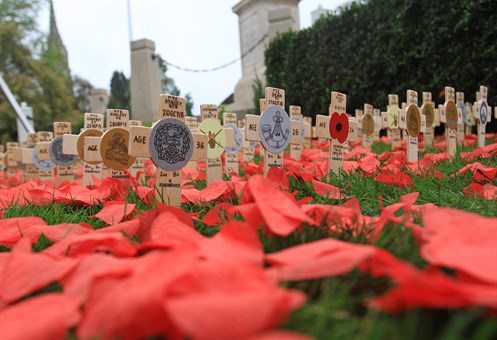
pixel 65 169
pixel 377 123
pixel 114 145
pixel 309 132
pixel 462 111
pixel 43 145
pixel 218 139
pixel 170 145
pixel 338 128
pixel 470 118
pixel 368 126
pixel 483 115
pixel 428 111
pixel 393 120
pixel 410 120
pixel 230 122
pixel 296 149
pixel 88 147
pixel 273 128
pixel 451 117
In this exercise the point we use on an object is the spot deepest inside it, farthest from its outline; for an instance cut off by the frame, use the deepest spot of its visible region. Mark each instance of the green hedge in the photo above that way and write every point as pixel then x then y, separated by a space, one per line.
pixel 369 49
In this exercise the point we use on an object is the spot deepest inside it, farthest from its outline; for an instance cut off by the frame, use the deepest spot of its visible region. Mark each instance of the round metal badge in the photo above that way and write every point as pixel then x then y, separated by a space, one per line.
pixel 274 129
pixel 114 149
pixel 216 137
pixel 367 124
pixel 451 114
pixel 483 112
pixel 413 121
pixel 238 139
pixel 45 165
pixel 429 112
pixel 81 139
pixel 462 106
pixel 171 144
pixel 56 154
pixel 393 117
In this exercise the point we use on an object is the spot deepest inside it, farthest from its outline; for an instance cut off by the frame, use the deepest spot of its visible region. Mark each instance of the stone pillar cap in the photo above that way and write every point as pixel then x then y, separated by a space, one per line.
pixel 142 44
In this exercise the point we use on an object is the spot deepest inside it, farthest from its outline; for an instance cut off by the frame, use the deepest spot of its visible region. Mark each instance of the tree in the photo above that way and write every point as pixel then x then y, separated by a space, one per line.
pixel 120 97
pixel 26 68
pixel 81 89
pixel 168 86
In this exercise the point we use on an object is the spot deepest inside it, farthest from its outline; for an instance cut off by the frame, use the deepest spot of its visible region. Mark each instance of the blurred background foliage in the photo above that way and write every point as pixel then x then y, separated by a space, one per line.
pixel 368 49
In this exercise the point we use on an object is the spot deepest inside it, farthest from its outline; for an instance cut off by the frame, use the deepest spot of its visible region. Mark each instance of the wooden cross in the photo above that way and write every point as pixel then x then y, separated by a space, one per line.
pixel 470 118
pixel 450 117
pixel 483 115
pixel 88 147
pixel 46 171
pixel 218 139
pixel 273 128
pixel 377 123
pixel 338 128
pixel 138 165
pixel 65 170
pixel 309 132
pixel 462 111
pixel 170 145
pixel 410 120
pixel 296 149
pixel 393 120
pixel 428 111
pixel 248 147
pixel 358 116
pixel 114 145
pixel 368 126
pixel 25 155
pixel 10 162
pixel 230 122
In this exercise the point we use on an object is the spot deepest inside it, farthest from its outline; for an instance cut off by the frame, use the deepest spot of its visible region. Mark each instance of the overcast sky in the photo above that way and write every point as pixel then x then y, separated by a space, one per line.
pixel 196 34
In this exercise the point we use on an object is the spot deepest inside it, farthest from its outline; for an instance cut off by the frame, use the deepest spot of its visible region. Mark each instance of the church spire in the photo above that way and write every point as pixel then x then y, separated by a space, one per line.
pixel 56 48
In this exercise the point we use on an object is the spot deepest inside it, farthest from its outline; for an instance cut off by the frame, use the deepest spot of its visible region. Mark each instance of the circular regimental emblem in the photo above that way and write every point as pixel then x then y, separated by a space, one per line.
pixel 171 144
pixel 429 112
pixel 216 137
pixel 367 124
pixel 238 139
pixel 81 139
pixel 45 165
pixel 274 129
pixel 393 117
pixel 483 112
pixel 339 126
pixel 56 154
pixel 451 114
pixel 413 121
pixel 302 126
pixel 462 106
pixel 114 149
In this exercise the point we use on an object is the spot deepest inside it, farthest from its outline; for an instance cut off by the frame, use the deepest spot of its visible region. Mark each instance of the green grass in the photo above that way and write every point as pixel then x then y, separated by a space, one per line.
pixel 335 307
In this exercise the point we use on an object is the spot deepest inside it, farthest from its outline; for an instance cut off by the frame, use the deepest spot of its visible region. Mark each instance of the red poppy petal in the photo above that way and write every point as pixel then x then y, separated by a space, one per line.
pixel 48 316
pixel 114 212
pixel 461 240
pixel 26 272
pixel 318 259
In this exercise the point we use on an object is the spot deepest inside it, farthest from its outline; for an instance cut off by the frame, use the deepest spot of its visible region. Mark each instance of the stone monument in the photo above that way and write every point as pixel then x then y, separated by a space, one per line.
pixel 259 21
pixel 145 80
pixel 99 100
